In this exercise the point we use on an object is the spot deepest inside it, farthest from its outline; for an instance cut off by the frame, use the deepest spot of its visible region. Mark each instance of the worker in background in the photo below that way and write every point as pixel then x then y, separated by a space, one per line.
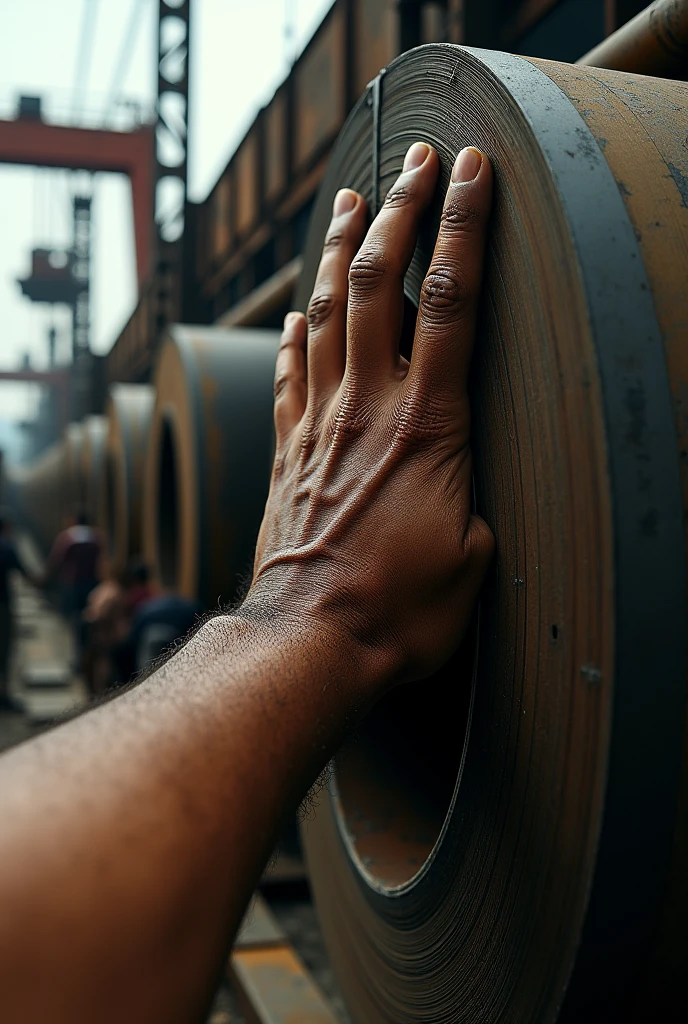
pixel 9 562
pixel 158 623
pixel 133 836
pixel 74 562
pixel 155 619
pixel 108 615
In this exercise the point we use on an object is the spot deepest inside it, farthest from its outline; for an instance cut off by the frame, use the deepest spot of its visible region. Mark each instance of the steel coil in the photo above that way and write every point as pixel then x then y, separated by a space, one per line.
pixel 38 495
pixel 93 466
pixel 655 42
pixel 508 843
pixel 74 482
pixel 129 411
pixel 209 458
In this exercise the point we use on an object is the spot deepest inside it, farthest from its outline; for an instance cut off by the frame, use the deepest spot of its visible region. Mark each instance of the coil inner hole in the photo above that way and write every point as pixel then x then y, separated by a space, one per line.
pixel 168 510
pixel 395 778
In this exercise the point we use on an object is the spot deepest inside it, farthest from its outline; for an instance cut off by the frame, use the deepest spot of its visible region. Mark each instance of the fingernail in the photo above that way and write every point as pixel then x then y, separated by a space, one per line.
pixel 344 202
pixel 416 156
pixel 467 165
pixel 290 318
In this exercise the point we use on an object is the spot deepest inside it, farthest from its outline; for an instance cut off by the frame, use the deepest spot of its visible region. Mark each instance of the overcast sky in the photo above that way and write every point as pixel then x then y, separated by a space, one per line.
pixel 239 55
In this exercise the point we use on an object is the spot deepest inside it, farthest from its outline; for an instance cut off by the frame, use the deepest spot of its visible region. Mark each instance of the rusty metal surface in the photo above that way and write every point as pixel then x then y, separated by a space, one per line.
pixel 129 411
pixel 209 459
pixel 655 42
pixel 266 299
pixel 549 865
pixel 41 144
pixel 93 461
pixel 74 486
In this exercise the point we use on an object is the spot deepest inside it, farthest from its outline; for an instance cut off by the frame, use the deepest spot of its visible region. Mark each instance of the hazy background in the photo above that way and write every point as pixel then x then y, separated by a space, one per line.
pixel 240 52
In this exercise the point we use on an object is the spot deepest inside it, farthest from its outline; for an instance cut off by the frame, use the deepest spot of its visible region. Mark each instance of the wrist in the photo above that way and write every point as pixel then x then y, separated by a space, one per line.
pixel 325 636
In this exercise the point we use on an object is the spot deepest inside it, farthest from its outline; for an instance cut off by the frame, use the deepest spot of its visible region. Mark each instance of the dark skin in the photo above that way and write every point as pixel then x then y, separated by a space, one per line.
pixel 133 836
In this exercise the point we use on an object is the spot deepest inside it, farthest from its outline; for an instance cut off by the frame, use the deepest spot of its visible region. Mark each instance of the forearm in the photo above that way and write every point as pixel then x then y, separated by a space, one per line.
pixel 133 836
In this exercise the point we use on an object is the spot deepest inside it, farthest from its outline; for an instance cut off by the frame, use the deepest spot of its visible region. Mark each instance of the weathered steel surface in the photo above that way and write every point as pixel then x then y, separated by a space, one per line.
pixel 93 461
pixel 74 485
pixel 506 844
pixel 655 42
pixel 209 459
pixel 266 299
pixel 129 411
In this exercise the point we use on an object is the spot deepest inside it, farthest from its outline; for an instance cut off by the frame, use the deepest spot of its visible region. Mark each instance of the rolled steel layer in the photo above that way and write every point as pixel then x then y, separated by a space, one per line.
pixel 209 458
pixel 507 844
pixel 93 466
pixel 129 412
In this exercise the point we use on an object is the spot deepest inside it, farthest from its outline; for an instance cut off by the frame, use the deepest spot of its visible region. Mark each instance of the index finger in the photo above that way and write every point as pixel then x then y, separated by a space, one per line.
pixel 448 305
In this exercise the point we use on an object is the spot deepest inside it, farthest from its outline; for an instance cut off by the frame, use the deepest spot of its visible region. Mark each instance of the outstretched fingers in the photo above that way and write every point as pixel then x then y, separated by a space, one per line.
pixel 291 381
pixel 327 308
pixel 376 278
pixel 448 306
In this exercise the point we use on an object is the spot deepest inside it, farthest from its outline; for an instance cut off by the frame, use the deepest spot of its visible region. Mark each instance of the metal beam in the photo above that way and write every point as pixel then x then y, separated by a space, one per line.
pixel 38 144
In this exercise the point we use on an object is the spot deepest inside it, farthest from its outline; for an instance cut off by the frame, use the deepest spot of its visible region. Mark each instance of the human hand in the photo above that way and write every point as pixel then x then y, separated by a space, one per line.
pixel 368 532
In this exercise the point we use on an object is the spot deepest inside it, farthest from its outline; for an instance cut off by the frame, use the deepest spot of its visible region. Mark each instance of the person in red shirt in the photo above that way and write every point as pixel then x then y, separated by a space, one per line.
pixel 74 562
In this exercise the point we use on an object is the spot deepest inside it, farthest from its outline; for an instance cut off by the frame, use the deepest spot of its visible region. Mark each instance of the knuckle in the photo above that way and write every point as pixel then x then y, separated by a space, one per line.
pixel 399 196
pixel 461 217
pixel 287 341
pixel 352 417
pixel 321 309
pixel 282 381
pixel 444 295
pixel 367 271
pixel 334 239
pixel 419 421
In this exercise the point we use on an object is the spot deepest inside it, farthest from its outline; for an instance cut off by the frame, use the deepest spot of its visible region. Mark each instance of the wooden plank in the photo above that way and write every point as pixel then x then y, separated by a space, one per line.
pixel 270 980
pixel 259 927
pixel 275 988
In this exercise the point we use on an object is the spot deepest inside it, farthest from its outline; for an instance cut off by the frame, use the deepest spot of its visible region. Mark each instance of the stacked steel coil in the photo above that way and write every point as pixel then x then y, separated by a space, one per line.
pixel 509 843
pixel 73 480
pixel 38 494
pixel 92 466
pixel 208 463
pixel 129 411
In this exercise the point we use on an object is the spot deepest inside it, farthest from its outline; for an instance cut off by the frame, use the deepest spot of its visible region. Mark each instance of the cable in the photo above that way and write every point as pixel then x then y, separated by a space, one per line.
pixel 83 62
pixel 125 53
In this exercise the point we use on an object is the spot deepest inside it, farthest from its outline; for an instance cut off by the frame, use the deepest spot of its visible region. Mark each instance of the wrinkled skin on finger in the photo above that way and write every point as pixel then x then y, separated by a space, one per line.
pixel 368 526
